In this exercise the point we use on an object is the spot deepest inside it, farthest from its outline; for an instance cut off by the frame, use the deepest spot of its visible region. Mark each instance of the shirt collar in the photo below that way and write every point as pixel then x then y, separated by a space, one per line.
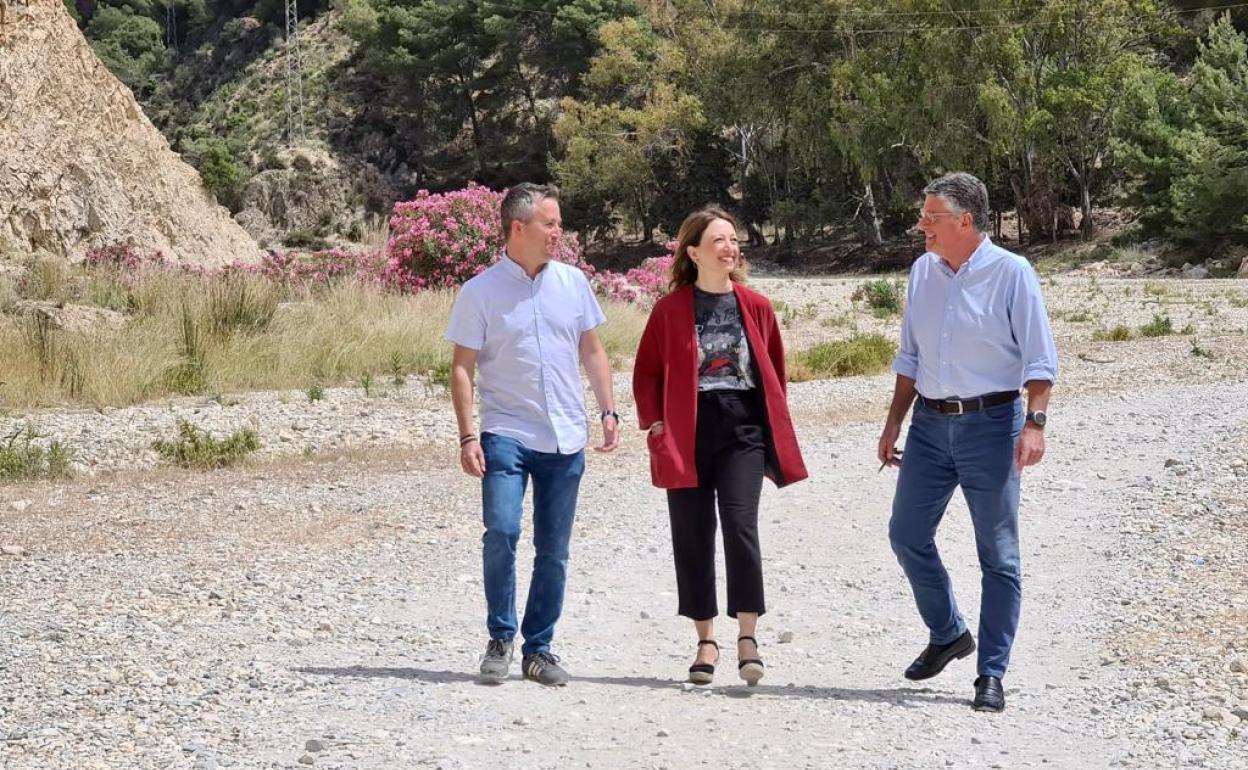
pixel 516 271
pixel 985 254
pixel 513 268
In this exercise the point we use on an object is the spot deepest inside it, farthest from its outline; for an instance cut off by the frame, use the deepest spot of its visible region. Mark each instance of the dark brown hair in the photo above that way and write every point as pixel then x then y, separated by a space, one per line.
pixel 684 271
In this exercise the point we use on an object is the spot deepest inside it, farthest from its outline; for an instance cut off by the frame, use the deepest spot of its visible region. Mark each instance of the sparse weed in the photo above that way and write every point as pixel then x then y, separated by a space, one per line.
pixel 196 448
pixel 440 375
pixel 1200 352
pixel 1118 333
pixel 1160 326
pixel 398 369
pixel 23 456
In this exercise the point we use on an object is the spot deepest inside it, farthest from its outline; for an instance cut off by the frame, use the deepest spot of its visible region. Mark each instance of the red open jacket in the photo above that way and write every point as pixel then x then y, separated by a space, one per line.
pixel 665 387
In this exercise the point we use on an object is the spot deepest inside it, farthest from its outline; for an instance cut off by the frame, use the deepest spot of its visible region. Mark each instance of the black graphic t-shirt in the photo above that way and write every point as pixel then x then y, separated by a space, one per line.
pixel 723 352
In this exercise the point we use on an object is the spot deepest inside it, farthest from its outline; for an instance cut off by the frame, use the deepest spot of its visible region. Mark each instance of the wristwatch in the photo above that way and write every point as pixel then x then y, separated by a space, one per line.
pixel 608 413
pixel 1038 418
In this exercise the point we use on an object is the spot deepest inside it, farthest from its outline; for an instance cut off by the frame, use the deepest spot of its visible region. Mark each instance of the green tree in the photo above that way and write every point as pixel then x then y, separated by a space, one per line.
pixel 633 137
pixel 1210 198
pixel 473 85
pixel 130 45
pixel 221 172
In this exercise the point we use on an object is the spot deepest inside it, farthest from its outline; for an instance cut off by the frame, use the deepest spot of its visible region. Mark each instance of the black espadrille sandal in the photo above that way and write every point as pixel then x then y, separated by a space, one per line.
pixel 750 669
pixel 703 673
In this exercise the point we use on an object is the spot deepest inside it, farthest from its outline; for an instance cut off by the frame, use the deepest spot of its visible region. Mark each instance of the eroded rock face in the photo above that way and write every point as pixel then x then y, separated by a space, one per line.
pixel 81 166
pixel 312 192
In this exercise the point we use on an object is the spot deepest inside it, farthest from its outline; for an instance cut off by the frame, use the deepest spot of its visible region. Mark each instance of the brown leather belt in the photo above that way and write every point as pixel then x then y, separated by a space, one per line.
pixel 964 405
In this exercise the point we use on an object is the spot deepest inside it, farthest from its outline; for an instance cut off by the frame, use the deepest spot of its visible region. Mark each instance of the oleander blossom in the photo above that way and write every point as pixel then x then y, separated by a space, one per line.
pixel 440 240
pixel 641 285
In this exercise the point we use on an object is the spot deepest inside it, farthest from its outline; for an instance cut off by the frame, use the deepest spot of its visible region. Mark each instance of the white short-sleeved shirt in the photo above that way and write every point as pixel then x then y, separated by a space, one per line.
pixel 527 335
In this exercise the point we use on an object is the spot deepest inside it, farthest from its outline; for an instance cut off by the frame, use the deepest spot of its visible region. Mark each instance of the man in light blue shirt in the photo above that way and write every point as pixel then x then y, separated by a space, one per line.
pixel 527 323
pixel 975 331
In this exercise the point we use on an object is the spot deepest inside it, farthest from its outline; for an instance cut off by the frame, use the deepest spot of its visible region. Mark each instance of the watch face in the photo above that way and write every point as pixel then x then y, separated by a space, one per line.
pixel 1039 418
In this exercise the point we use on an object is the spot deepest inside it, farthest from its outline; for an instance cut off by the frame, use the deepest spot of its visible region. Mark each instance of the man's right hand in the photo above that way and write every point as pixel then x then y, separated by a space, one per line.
pixel 886 452
pixel 472 459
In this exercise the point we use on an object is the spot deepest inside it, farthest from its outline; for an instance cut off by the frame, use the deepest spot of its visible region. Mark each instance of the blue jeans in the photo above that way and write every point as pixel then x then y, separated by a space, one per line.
pixel 974 450
pixel 556 480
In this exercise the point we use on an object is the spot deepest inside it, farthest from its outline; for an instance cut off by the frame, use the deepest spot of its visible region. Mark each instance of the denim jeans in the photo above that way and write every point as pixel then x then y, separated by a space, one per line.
pixel 556 480
pixel 976 451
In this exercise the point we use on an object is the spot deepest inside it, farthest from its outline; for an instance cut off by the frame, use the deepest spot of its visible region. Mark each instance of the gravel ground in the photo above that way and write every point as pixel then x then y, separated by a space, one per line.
pixel 326 610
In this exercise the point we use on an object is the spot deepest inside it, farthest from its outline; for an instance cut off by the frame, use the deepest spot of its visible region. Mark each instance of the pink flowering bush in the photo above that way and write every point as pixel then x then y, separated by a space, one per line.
pixel 124 256
pixel 317 268
pixel 642 285
pixel 441 240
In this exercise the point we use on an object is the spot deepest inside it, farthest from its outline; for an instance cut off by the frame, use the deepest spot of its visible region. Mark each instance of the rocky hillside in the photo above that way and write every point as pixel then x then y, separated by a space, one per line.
pixel 226 109
pixel 81 166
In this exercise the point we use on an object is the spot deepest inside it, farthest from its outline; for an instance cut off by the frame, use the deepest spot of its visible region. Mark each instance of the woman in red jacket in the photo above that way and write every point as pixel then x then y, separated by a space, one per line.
pixel 709 386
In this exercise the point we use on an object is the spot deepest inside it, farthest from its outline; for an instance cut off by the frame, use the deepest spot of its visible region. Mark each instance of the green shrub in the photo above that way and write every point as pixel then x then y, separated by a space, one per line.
pixel 881 295
pixel 860 354
pixel 21 458
pixel 1160 326
pixel 196 448
pixel 223 175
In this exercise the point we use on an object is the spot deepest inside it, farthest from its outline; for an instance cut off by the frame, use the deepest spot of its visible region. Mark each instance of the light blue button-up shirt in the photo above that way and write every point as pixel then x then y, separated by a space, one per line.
pixel 527 334
pixel 983 329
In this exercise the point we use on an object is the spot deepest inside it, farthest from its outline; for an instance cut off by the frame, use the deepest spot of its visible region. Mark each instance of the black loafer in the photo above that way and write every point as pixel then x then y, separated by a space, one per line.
pixel 989 694
pixel 935 657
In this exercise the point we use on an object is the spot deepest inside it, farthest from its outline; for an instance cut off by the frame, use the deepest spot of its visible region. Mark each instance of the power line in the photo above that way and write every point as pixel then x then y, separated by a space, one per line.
pixel 850 14
pixel 1001 10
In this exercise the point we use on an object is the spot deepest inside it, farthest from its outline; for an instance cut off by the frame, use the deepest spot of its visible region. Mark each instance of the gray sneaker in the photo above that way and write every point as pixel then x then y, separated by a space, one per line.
pixel 543 668
pixel 496 664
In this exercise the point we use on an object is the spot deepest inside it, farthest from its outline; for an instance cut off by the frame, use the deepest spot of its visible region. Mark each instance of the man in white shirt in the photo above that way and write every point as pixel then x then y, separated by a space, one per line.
pixel 526 323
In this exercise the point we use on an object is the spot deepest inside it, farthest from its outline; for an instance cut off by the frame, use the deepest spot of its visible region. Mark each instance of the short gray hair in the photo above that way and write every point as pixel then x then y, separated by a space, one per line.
pixel 521 201
pixel 965 194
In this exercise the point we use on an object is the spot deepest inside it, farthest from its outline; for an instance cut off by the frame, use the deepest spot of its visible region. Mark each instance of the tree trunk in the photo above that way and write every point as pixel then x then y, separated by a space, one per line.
pixel 874 236
pixel 1018 209
pixel 478 141
pixel 1085 209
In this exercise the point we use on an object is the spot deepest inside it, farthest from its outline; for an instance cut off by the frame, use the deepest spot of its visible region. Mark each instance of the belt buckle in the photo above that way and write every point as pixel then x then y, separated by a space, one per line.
pixel 961 406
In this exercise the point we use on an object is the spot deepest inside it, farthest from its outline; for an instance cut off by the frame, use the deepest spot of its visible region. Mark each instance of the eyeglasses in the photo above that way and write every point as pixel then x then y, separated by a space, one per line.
pixel 926 218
